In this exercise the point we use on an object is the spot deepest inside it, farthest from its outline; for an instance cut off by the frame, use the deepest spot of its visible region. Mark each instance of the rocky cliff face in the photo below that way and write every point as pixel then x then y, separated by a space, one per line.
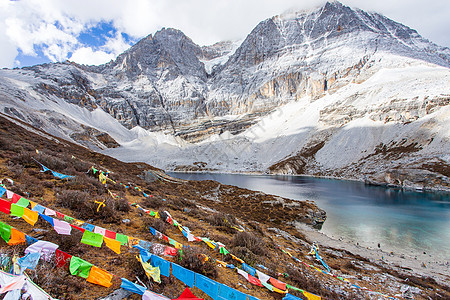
pixel 335 57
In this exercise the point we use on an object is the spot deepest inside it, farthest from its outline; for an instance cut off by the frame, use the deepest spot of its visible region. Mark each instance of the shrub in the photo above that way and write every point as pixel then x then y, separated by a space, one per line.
pixel 86 184
pixel 31 187
pixel 251 242
pixel 73 200
pixel 85 207
pixel 192 259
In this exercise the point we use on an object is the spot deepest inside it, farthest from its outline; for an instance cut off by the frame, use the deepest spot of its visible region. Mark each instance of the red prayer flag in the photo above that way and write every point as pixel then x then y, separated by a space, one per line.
pixel 15 198
pixel 61 258
pixel 254 280
pixel 76 227
pixel 5 206
pixel 110 234
pixel 60 215
pixel 169 251
pixel 187 294
pixel 278 284
pixel 166 238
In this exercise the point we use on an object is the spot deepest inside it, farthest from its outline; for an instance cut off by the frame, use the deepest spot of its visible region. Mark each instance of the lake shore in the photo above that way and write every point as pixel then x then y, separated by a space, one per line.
pixel 421 265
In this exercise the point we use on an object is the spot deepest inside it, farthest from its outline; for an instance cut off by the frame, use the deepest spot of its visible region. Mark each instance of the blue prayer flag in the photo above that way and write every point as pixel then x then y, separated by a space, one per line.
pixel 152 230
pixel 47 218
pixel 132 287
pixel 291 297
pixel 252 298
pixel 2 191
pixel 183 274
pixel 227 293
pixel 248 269
pixel 29 261
pixel 206 285
pixel 38 208
pixel 145 255
pixel 164 265
pixel 30 240
pixel 88 227
pixel 145 244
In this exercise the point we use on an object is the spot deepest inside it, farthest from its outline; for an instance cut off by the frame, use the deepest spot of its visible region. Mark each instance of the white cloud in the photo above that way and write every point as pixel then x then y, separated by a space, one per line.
pixel 110 50
pixel 28 24
pixel 87 56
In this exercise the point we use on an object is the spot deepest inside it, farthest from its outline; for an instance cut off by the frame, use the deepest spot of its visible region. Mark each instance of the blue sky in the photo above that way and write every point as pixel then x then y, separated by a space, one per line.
pixel 96 31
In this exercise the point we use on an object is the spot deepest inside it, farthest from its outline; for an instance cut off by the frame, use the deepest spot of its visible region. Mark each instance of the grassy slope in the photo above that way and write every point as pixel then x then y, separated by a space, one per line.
pixel 207 208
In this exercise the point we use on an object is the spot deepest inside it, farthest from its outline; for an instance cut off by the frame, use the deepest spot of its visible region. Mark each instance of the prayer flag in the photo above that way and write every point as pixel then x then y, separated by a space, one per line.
pixel 92 238
pixel 132 287
pixel 183 274
pixel 79 267
pixel 151 272
pixel 30 216
pixel 16 210
pixel 5 206
pixel 164 265
pixel 123 239
pixel 38 208
pixel 100 277
pixel 110 234
pixel 248 269
pixel 62 227
pixel 112 244
pixel 311 296
pixel 23 202
pixel 17 237
pixel 227 293
pixel 29 261
pixel 278 284
pixel 61 258
pixel 5 231
pixel 206 285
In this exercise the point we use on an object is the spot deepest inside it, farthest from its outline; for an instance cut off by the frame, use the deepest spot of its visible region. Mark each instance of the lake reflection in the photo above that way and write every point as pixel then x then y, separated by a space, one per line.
pixel 402 221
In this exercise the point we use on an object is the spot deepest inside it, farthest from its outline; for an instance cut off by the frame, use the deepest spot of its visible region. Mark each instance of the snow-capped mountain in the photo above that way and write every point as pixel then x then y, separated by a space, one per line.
pixel 333 91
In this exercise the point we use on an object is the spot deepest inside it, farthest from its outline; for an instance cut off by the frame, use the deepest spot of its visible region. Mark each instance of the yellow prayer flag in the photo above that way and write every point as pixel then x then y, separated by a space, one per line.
pixel 178 245
pixel 151 272
pixel 311 296
pixel 30 216
pixel 100 277
pixel 132 241
pixel 237 258
pixel 77 222
pixel 112 244
pixel 33 204
pixel 279 291
pixel 222 263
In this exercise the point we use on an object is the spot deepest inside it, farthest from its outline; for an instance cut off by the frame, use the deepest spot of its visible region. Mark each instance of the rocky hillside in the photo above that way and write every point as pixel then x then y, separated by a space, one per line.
pixel 236 217
pixel 357 84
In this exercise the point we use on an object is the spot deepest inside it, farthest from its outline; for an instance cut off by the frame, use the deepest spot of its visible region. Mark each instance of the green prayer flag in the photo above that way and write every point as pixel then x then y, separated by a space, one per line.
pixel 92 238
pixel 224 251
pixel 5 231
pixel 23 202
pixel 94 170
pixel 171 242
pixel 293 288
pixel 123 239
pixel 152 213
pixel 268 286
pixel 175 223
pixel 16 210
pixel 68 219
pixel 79 267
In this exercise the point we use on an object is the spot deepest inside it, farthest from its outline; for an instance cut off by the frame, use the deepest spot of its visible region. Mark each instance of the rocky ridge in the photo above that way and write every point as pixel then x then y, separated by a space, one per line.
pixel 178 96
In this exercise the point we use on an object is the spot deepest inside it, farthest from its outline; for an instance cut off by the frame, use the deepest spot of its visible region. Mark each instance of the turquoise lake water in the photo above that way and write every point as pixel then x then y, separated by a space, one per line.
pixel 406 222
